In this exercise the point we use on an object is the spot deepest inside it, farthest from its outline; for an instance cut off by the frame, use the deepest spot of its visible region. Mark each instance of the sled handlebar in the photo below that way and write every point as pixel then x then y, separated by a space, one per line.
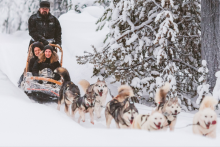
pixel 46 79
pixel 54 45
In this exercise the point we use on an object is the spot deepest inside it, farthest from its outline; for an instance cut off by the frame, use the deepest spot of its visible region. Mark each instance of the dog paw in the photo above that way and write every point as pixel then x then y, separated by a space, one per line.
pixel 92 122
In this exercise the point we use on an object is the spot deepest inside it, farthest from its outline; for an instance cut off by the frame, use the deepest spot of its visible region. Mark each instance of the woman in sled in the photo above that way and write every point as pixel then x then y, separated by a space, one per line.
pixel 47 59
pixel 37 47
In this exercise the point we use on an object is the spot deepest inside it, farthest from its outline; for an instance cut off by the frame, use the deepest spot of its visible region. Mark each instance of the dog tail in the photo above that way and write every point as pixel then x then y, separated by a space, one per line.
pixel 208 102
pixel 162 92
pixel 125 90
pixel 63 72
pixel 84 84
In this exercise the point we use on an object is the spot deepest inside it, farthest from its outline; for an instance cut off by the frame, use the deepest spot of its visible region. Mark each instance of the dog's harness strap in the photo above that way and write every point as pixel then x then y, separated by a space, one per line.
pixel 100 104
pixel 84 104
pixel 169 122
pixel 145 119
pixel 187 126
pixel 161 104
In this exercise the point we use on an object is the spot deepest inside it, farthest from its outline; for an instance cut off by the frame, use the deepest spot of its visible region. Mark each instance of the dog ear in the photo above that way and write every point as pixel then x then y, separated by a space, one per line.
pixel 127 104
pixel 90 88
pixel 98 80
pixel 160 110
pixel 176 100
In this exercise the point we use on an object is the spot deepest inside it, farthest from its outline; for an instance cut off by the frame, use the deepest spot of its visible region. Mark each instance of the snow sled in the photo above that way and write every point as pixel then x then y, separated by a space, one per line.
pixel 43 88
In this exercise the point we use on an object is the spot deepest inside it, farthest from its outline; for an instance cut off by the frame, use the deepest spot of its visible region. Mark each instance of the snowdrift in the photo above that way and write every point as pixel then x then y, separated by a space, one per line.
pixel 26 123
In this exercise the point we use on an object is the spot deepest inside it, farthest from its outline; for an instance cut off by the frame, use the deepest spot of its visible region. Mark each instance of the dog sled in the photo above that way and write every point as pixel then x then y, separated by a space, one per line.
pixel 48 89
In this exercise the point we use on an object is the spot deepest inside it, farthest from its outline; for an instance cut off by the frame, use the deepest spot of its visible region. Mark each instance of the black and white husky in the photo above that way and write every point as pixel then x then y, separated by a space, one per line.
pixel 69 92
pixel 121 109
pixel 84 105
pixel 170 108
pixel 101 91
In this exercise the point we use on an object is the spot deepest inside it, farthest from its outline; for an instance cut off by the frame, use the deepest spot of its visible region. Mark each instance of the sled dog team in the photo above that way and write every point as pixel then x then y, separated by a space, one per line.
pixel 124 112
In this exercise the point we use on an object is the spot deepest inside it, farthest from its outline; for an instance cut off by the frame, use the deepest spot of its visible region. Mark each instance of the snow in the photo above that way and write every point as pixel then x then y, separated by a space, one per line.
pixel 216 90
pixel 26 123
pixel 204 63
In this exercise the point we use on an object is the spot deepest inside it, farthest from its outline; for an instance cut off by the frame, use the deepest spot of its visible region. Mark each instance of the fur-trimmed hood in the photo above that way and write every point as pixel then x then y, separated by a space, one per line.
pixel 54 57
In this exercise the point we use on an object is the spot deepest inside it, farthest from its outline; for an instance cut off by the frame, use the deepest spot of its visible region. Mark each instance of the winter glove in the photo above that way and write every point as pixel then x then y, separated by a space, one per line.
pixel 56 77
pixel 45 42
pixel 40 82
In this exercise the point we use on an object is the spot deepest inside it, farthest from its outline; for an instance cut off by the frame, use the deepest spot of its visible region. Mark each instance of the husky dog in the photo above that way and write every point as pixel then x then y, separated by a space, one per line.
pixel 121 109
pixel 153 122
pixel 206 119
pixel 170 108
pixel 85 104
pixel 101 91
pixel 68 92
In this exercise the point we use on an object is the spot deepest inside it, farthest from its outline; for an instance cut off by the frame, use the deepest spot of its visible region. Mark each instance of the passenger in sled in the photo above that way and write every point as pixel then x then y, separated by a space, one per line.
pixel 37 47
pixel 46 63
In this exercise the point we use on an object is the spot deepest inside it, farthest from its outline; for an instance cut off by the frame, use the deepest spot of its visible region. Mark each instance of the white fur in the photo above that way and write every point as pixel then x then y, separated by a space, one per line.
pixel 150 122
pixel 156 118
pixel 205 117
pixel 100 100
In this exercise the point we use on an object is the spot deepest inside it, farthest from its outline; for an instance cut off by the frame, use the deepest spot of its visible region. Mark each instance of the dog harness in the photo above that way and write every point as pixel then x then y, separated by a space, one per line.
pixel 142 117
pixel 100 103
pixel 115 108
pixel 161 104
pixel 202 127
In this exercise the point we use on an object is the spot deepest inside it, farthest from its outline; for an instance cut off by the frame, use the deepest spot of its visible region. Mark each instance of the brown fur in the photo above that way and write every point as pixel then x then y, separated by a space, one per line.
pixel 162 92
pixel 124 91
pixel 208 102
pixel 42 58
pixel 84 84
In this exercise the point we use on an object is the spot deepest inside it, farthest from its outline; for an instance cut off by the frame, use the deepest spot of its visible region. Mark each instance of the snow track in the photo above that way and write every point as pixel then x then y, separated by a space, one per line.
pixel 26 123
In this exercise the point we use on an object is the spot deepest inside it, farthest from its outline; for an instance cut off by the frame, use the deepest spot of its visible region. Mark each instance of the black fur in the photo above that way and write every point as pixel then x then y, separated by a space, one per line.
pixel 68 88
pixel 116 110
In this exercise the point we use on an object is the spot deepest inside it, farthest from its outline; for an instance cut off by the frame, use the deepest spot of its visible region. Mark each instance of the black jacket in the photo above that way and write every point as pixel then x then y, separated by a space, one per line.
pixel 39 66
pixel 42 28
pixel 31 64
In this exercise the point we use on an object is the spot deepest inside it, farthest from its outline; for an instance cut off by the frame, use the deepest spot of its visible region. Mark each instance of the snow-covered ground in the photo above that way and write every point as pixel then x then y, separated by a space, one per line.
pixel 26 123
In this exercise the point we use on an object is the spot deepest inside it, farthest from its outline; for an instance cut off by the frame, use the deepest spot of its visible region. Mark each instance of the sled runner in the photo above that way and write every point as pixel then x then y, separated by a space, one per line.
pixel 47 89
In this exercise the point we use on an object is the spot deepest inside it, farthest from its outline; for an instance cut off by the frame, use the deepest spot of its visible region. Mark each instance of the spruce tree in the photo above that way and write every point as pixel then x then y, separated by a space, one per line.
pixel 149 43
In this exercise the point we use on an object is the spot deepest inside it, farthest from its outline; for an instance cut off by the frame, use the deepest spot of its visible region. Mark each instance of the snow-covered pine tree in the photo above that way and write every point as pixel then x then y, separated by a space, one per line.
pixel 130 56
pixel 79 5
pixel 188 46
pixel 14 14
pixel 128 51
pixel 203 88
pixel 104 3
pixel 166 35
